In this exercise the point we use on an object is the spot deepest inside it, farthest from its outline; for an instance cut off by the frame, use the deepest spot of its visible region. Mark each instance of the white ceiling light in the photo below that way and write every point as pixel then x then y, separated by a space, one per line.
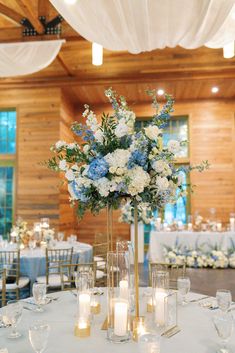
pixel 160 92
pixel 215 89
pixel 229 50
pixel 97 54
pixel 70 2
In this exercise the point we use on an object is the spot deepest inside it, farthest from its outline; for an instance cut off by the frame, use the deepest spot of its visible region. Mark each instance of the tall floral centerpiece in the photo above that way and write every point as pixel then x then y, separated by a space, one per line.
pixel 114 162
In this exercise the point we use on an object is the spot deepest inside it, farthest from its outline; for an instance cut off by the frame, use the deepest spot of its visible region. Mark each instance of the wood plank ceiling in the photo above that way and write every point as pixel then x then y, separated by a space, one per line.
pixel 187 74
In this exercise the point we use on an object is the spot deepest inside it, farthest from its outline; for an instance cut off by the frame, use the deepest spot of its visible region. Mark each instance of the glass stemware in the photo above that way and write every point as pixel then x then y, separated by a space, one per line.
pixel 39 295
pixel 223 323
pixel 60 236
pixel 183 285
pixel 224 299
pixel 14 314
pixel 38 336
pixel 32 244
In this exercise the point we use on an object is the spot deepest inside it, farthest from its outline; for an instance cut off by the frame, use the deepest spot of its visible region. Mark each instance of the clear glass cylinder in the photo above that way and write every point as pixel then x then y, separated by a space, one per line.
pixel 118 296
pixel 83 320
pixel 160 284
pixel 127 246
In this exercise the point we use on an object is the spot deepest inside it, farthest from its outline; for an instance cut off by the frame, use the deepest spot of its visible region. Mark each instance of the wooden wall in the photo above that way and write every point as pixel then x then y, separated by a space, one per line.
pixel 41 121
pixel 212 137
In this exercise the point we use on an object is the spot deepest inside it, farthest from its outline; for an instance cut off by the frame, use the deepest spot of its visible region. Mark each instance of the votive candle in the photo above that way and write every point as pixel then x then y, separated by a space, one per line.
pixel 123 289
pixel 120 318
pixel 160 296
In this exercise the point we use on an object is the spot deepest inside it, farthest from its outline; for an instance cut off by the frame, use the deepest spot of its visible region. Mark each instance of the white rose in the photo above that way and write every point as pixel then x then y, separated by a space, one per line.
pixel 120 171
pixel 121 130
pixel 152 132
pixel 99 136
pixel 63 165
pixel 173 146
pixel 162 183
pixel 86 149
pixel 69 175
pixel 71 146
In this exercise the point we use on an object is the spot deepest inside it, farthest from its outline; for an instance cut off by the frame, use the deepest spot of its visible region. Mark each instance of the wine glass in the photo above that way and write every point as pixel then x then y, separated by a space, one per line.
pixel 183 285
pixel 60 236
pixel 32 244
pixel 38 336
pixel 39 295
pixel 149 342
pixel 223 323
pixel 14 314
pixel 224 299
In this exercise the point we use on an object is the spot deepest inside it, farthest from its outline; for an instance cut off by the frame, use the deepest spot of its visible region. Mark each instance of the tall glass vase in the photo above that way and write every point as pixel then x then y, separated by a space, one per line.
pixel 160 285
pixel 110 227
pixel 118 282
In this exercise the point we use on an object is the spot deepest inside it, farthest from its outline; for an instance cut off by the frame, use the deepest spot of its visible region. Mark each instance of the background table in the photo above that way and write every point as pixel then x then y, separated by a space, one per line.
pixel 197 332
pixel 33 262
pixel 159 239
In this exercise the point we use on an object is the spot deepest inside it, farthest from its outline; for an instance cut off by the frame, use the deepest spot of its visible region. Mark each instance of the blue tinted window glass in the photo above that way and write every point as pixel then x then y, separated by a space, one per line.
pixel 7 132
pixel 6 199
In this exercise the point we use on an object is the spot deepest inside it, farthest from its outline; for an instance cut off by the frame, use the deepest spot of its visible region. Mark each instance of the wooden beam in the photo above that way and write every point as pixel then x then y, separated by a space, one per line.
pixel 64 65
pixel 29 12
pixel 43 8
pixel 10 13
pixel 63 81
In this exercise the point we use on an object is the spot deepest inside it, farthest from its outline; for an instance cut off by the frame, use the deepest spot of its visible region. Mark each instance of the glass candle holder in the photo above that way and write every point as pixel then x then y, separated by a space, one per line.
pixel 160 284
pixel 82 326
pixel 45 223
pixel 118 281
pixel 95 304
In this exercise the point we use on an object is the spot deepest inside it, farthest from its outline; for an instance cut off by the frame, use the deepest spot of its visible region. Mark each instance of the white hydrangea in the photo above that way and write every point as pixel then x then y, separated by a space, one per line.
pixel 162 168
pixel 122 129
pixel 71 146
pixel 69 175
pixel 190 261
pixel 117 159
pixel 103 186
pixel 63 165
pixel 99 136
pixel 139 179
pixel 60 144
pixel 162 183
pixel 173 146
pixel 83 181
pixel 232 261
pixel 86 149
pixel 152 132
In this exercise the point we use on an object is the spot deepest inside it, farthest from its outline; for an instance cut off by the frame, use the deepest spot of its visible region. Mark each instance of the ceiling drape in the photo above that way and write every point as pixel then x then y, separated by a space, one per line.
pixel 145 25
pixel 27 57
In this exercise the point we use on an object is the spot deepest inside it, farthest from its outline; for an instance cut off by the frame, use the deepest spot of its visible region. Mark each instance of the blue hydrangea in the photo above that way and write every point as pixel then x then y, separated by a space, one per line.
pixel 98 169
pixel 79 192
pixel 137 157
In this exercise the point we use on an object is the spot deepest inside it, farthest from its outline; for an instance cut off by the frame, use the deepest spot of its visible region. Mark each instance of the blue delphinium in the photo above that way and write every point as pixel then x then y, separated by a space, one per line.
pixel 97 169
pixel 139 158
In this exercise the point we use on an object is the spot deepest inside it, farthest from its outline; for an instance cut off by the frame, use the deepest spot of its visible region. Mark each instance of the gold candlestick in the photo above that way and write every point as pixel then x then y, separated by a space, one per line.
pixel 136 264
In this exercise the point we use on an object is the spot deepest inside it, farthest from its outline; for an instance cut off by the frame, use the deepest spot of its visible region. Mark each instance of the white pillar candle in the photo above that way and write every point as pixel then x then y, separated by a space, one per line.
pixel 123 289
pixel 219 226
pixel 160 296
pixel 82 324
pixel 84 301
pixel 120 318
pixel 232 224
pixel 190 226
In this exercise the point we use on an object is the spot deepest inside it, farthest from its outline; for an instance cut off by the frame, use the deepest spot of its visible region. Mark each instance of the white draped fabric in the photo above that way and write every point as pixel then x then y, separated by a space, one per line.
pixel 145 25
pixel 27 57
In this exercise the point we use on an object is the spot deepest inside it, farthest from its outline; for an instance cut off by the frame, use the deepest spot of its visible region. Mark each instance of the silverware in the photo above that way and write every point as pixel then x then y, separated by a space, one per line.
pixel 27 308
pixel 171 332
pixel 199 299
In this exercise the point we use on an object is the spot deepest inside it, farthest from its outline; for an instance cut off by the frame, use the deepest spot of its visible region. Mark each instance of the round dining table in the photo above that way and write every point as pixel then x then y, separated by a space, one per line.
pixel 197 333
pixel 33 262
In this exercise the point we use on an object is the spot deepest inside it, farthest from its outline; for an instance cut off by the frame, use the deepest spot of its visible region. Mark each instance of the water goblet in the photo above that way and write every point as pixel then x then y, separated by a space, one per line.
pixel 224 299
pixel 223 323
pixel 60 236
pixel 38 336
pixel 183 285
pixel 13 314
pixel 39 295
pixel 32 244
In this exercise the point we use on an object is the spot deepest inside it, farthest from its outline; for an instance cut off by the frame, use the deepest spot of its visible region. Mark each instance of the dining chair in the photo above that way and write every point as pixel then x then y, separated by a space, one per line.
pixel 10 261
pixel 3 287
pixel 55 258
pixel 69 273
pixel 174 270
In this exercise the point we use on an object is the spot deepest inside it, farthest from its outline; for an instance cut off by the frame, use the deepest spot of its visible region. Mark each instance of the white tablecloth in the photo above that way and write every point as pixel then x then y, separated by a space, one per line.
pixel 33 262
pixel 159 239
pixel 197 332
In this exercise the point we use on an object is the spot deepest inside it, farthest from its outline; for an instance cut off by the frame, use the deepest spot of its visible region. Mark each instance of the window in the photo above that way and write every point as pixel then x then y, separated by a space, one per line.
pixel 176 130
pixel 7 169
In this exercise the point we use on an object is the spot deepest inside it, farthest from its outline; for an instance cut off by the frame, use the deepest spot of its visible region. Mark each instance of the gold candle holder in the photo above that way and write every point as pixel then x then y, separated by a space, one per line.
pixel 82 329
pixel 149 307
pixel 95 308
pixel 138 328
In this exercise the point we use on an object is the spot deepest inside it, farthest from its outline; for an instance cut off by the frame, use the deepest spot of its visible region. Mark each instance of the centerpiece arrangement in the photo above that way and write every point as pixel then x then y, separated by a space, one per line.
pixel 114 163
